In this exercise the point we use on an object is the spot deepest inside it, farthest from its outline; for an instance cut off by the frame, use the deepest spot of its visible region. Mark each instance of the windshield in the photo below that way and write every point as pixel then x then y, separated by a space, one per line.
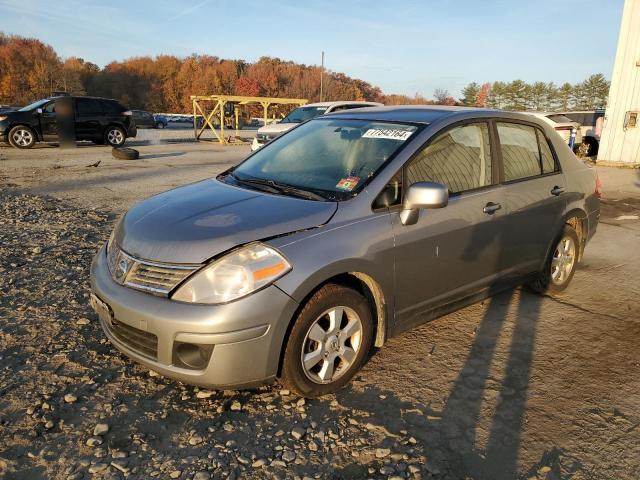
pixel 34 105
pixel 332 157
pixel 303 114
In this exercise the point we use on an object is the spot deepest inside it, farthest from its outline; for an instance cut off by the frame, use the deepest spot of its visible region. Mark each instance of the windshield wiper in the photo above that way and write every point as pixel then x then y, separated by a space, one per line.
pixel 281 188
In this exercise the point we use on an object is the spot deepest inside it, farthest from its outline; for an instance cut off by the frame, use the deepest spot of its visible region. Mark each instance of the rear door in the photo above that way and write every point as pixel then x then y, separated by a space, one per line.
pixel 534 189
pixel 88 118
pixel 453 251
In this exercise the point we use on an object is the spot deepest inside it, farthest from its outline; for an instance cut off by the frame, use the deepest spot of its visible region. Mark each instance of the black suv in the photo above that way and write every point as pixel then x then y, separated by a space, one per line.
pixel 99 120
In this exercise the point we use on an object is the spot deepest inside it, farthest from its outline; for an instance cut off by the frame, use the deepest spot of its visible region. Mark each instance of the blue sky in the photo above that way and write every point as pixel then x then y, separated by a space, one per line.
pixel 401 46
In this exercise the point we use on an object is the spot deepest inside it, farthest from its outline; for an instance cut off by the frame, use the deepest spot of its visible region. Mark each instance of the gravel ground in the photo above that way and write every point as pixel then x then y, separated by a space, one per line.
pixel 519 386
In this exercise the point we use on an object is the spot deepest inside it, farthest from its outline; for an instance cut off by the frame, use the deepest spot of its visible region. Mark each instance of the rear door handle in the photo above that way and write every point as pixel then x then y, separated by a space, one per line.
pixel 557 190
pixel 490 208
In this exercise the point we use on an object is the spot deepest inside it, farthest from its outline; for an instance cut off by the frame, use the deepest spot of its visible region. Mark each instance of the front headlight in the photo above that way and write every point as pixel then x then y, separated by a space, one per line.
pixel 235 275
pixel 112 251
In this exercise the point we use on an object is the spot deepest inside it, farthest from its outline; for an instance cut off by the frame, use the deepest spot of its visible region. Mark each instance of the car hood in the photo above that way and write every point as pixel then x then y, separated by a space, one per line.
pixel 194 223
pixel 277 128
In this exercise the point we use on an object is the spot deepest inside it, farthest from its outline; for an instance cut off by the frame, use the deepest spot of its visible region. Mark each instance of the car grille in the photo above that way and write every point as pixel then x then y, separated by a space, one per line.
pixel 156 278
pixel 144 343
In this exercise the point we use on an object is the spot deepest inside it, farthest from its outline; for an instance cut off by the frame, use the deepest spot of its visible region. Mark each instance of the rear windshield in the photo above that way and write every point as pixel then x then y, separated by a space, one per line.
pixel 303 114
pixel 335 157
pixel 559 119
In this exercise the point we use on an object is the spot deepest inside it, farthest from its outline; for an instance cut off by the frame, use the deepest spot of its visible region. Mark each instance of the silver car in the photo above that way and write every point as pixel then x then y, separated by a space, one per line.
pixel 338 235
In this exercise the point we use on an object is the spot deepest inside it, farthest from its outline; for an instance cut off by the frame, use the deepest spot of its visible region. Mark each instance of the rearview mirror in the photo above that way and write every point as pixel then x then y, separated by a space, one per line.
pixel 422 195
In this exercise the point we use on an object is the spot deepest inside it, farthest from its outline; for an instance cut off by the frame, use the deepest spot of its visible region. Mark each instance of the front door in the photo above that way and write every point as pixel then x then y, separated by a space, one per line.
pixel 450 252
pixel 49 122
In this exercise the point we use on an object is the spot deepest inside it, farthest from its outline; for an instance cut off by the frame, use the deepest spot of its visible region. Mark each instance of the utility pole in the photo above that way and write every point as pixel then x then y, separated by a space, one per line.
pixel 321 76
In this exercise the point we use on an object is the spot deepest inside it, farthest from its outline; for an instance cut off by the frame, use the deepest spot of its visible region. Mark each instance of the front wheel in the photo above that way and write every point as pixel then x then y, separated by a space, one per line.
pixel 22 137
pixel 561 264
pixel 329 342
pixel 115 136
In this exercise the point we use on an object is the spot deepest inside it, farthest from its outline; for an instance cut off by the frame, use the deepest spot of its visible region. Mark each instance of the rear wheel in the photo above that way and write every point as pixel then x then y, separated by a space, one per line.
pixel 22 137
pixel 115 136
pixel 329 342
pixel 561 264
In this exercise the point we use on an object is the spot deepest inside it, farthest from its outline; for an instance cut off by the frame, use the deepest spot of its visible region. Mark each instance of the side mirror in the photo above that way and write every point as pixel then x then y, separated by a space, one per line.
pixel 422 195
pixel 39 111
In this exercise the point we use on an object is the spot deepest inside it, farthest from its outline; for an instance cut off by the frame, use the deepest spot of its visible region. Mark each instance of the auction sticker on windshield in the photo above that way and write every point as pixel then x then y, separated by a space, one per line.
pixel 348 183
pixel 387 133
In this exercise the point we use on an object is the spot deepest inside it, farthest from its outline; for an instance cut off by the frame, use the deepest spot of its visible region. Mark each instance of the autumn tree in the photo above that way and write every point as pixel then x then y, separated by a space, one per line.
pixel 483 93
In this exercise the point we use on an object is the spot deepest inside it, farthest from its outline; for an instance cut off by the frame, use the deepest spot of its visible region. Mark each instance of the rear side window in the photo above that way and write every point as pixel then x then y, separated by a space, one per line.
pixel 460 158
pixel 88 106
pixel 525 152
pixel 546 156
pixel 112 107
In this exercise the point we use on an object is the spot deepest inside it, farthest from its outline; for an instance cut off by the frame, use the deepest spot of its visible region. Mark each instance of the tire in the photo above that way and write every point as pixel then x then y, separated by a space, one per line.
pixel 115 136
pixel 125 153
pixel 333 355
pixel 160 125
pixel 559 268
pixel 591 146
pixel 22 137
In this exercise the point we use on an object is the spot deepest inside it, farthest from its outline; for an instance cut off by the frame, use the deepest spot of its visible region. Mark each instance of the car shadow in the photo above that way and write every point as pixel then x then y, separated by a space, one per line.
pixel 161 155
pixel 454 438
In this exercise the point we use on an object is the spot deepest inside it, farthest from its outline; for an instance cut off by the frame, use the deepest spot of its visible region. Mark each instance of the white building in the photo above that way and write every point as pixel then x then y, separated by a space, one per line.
pixel 620 140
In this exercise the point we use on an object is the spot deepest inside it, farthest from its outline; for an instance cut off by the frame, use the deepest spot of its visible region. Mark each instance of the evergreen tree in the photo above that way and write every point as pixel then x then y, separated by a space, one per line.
pixel 516 95
pixel 496 96
pixel 564 97
pixel 537 96
pixel 470 94
pixel 592 93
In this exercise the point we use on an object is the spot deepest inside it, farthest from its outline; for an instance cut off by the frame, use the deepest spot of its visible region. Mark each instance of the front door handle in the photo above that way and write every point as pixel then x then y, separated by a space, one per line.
pixel 557 190
pixel 490 208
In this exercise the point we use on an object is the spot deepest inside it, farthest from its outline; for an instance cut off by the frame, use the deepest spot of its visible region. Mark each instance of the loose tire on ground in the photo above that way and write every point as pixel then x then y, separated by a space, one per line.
pixel 313 340
pixel 125 153
pixel 559 268
pixel 22 137
pixel 115 136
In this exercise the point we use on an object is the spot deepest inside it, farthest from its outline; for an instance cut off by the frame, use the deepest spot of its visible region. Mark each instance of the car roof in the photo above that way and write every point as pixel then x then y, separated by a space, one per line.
pixel 408 113
pixel 81 96
pixel 597 110
pixel 340 102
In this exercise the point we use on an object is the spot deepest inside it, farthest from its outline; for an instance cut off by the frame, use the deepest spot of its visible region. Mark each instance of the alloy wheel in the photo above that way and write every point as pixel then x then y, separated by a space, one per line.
pixel 23 137
pixel 563 260
pixel 331 345
pixel 115 136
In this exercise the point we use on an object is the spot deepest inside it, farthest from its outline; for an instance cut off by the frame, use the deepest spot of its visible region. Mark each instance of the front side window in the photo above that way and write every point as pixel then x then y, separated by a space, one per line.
pixel 460 159
pixel 334 157
pixel 33 106
pixel 525 151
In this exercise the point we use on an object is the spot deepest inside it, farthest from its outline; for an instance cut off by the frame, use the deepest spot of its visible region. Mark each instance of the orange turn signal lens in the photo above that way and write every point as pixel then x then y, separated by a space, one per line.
pixel 269 271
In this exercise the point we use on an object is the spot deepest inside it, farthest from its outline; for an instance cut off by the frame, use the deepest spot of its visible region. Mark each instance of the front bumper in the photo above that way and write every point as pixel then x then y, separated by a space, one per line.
pixel 245 336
